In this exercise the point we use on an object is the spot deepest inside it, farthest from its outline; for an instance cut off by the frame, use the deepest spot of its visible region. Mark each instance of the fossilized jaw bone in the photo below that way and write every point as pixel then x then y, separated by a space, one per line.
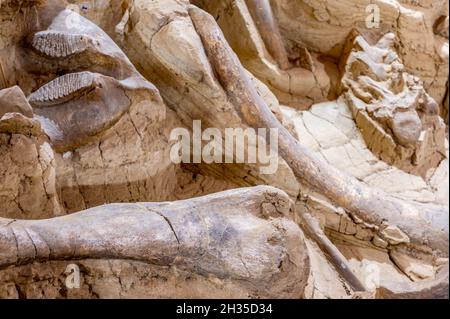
pixel 423 224
pixel 27 167
pixel 312 229
pixel 70 35
pixel 75 107
pixel 226 235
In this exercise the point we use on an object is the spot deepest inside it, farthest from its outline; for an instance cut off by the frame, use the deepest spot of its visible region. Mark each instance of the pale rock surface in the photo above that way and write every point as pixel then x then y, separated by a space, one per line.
pixel 342 145
pixel 399 121
pixel 27 169
pixel 13 100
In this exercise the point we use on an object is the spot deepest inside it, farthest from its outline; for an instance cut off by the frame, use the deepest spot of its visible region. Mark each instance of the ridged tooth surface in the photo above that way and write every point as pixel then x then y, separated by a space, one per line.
pixel 58 44
pixel 62 89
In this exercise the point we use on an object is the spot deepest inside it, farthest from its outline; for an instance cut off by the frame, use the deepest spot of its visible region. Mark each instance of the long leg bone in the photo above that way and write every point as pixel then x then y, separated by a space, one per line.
pixel 423 224
pixel 268 28
pixel 241 235
pixel 312 229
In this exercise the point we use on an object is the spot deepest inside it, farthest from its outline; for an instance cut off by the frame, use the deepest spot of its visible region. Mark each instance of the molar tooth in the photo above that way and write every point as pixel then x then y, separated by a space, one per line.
pixel 46 47
pixel 64 47
pixel 62 89
pixel 45 94
pixel 65 90
pixel 59 44
pixel 51 94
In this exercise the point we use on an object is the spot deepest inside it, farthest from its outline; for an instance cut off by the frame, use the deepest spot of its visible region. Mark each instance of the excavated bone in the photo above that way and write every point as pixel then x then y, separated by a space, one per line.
pixel 424 224
pixel 312 229
pixel 59 44
pixel 76 107
pixel 225 235
pixel 63 88
pixel 268 28
pixel 302 83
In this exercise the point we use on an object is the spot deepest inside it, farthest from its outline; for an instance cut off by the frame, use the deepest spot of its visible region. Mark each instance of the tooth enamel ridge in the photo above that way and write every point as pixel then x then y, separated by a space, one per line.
pixel 62 88
pixel 60 44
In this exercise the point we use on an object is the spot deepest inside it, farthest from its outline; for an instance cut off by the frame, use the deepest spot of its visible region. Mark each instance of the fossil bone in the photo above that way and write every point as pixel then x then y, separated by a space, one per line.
pixel 428 289
pixel 13 100
pixel 441 26
pixel 83 103
pixel 268 28
pixel 118 152
pixel 312 229
pixel 425 224
pixel 250 28
pixel 227 235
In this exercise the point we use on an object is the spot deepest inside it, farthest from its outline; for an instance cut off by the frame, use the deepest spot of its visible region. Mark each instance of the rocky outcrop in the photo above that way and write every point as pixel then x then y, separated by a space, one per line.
pixel 323 27
pixel 13 100
pixel 27 169
pixel 399 121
